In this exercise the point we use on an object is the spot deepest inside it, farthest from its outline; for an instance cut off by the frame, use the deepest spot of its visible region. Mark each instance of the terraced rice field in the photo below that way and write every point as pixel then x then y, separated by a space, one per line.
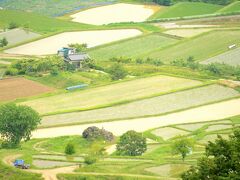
pixel 16 36
pixel 132 48
pixel 152 106
pixel 52 44
pixel 15 88
pixel 183 9
pixel 199 114
pixel 211 137
pixel 113 14
pixel 168 132
pixel 196 46
pixel 117 92
pixel 231 57
pixel 50 164
pixel 168 170
pixel 187 32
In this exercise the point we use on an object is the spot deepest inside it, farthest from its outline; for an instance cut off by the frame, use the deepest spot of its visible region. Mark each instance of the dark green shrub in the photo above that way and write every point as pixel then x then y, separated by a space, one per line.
pixel 117 72
pixel 69 149
pixel 12 25
pixel 90 159
pixel 11 72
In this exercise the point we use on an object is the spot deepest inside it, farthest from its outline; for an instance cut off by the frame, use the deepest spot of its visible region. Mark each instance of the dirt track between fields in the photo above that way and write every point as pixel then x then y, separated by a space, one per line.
pixel 200 114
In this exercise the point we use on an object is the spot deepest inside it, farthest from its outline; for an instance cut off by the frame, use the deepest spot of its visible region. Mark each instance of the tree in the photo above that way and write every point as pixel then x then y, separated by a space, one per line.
pixel 69 149
pixel 132 144
pixel 17 122
pixel 117 72
pixel 182 146
pixel 221 160
pixel 3 42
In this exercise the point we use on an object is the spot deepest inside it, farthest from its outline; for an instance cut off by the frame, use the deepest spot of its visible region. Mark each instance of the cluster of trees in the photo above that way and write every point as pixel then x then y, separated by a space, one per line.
pixel 221 160
pixel 94 133
pixel 3 42
pixel 124 60
pixel 216 69
pixel 16 124
pixel 117 71
pixel 79 47
pixel 36 67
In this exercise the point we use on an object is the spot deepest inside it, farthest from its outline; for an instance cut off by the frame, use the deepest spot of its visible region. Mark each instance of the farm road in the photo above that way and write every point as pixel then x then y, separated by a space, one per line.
pixel 215 111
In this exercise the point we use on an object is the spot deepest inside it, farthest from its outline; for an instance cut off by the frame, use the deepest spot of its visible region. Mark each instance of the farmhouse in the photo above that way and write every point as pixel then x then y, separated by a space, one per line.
pixel 70 56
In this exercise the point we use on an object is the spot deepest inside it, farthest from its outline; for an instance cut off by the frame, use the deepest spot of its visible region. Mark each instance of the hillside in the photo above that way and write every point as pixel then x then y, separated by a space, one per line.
pixel 37 23
pixel 51 7
pixel 234 7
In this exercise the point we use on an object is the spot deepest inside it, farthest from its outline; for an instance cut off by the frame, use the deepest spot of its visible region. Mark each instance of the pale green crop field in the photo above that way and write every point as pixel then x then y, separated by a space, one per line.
pixel 16 36
pixel 200 47
pixel 146 107
pixel 132 48
pixel 231 57
pixel 184 9
pixel 114 93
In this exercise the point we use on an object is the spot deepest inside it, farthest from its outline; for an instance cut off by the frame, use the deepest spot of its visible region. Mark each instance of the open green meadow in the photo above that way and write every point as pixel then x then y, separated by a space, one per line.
pixel 38 23
pixel 146 107
pixel 110 94
pixel 132 48
pixel 217 43
pixel 234 7
pixel 184 9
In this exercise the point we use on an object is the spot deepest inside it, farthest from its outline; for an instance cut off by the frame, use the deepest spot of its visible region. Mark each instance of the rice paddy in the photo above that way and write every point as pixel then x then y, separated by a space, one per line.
pixel 16 36
pixel 168 133
pixel 110 94
pixel 152 106
pixel 196 46
pixel 187 32
pixel 113 14
pixel 231 57
pixel 52 44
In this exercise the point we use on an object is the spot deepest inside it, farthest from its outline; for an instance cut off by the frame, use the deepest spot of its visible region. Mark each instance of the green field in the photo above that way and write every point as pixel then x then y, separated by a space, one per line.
pixel 234 7
pixel 132 48
pixel 217 43
pixel 110 94
pixel 230 57
pixel 51 7
pixel 38 23
pixel 184 9
pixel 147 107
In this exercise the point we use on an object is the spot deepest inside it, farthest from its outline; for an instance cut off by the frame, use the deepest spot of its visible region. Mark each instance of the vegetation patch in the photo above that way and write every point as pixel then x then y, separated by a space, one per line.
pixel 15 88
pixel 233 7
pixel 211 137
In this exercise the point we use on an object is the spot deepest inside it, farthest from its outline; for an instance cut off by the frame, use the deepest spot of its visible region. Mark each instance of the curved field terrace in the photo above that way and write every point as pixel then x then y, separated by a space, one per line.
pixel 52 44
pixel 113 14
